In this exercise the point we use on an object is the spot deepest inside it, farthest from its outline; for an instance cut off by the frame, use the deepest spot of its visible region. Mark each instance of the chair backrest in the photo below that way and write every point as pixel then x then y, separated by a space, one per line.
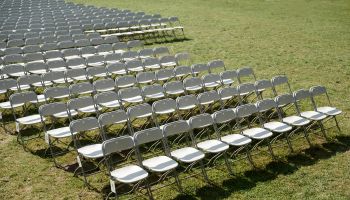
pixel 52 108
pixel 228 93
pixel 134 43
pixel 105 97
pixel 161 51
pixel 263 84
pixel 301 94
pixel 266 105
pixel 208 97
pixel 192 81
pixel 56 92
pixel 246 110
pixel 211 78
pixel 318 90
pixel 187 102
pixel 71 73
pixel 139 111
pixel 181 71
pixel 245 72
pixel 284 99
pixel 148 135
pixel 145 77
pixel 125 81
pixel 180 57
pixel 174 86
pixel 224 116
pixel 85 124
pixel 28 80
pixel 201 121
pixel 114 117
pixel 81 88
pixel 104 85
pixel 12 69
pixel 199 68
pixel 133 64
pixel 164 74
pixel 144 53
pixel 164 105
pixel 23 97
pixel 245 88
pixel 80 102
pixel 216 64
pixel 96 71
pixel 176 127
pixel 118 144
pixel 6 84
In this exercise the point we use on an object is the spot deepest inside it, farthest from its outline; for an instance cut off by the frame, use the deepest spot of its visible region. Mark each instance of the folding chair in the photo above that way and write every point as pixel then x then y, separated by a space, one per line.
pixel 182 58
pixel 174 88
pixel 216 65
pixel 207 139
pixel 151 63
pixel 193 84
pixel 36 68
pixel 315 117
pixel 229 97
pixel 253 131
pixel 143 114
pixel 278 82
pixel 26 99
pixel 278 127
pixel 319 92
pixel 125 81
pixel 13 70
pixel 153 92
pixel 145 77
pixel 199 69
pixel 130 173
pixel 224 119
pixel 76 63
pixel 182 72
pixel 104 85
pixel 112 58
pixel 208 101
pixel 263 87
pixel 76 75
pixel 167 61
pixel 78 89
pixel 160 51
pixel 293 118
pixel 55 134
pixel 164 75
pixel 245 74
pixel 145 53
pixel 119 47
pixel 211 81
pixel 158 163
pixel 88 51
pixel 134 66
pixel 247 92
pixel 183 152
pixel 95 61
pixel 104 49
pixel 114 123
pixel 132 95
pixel 96 72
pixel 165 107
pixel 109 100
pixel 91 151
pixel 187 103
pixel 129 56
pixel 56 93
pixel 53 55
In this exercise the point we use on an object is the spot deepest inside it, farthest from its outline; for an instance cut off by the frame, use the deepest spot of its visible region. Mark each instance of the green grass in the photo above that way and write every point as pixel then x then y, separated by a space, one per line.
pixel 307 40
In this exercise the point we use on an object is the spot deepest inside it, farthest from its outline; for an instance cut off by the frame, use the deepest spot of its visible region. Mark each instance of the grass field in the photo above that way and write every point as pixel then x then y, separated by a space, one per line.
pixel 307 40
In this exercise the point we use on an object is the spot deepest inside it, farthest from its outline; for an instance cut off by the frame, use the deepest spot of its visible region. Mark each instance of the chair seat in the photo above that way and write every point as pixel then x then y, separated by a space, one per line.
pixel 155 96
pixel 17 74
pixel 187 107
pixel 31 119
pixel 105 89
pixel 40 71
pixel 236 140
pixel 227 81
pixel 119 72
pixel 111 104
pixel 136 69
pixel 60 81
pixel 187 154
pixel 212 146
pixel 168 64
pixel 329 110
pixel 99 75
pixel 88 109
pixel 79 78
pixel 136 99
pixel 211 84
pixel 278 127
pixel 193 88
pixel 313 115
pixel 207 102
pixel 179 91
pixel 59 132
pixel 62 96
pixel 296 120
pixel 257 133
pixel 59 69
pixel 155 66
pixel 91 151
pixel 7 105
pixel 165 111
pixel 160 164
pixel 77 66
pixel 41 98
pixel 96 64
pixel 129 174
pixel 65 114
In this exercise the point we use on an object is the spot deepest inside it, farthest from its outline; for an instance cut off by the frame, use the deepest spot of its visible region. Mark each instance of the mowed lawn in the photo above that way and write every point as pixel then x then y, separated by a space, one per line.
pixel 307 40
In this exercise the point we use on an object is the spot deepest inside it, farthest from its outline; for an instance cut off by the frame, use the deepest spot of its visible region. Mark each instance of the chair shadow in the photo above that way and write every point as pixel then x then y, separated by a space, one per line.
pixel 288 165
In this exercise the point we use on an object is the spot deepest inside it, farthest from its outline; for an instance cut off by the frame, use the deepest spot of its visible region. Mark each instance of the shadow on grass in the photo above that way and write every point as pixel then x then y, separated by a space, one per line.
pixel 292 163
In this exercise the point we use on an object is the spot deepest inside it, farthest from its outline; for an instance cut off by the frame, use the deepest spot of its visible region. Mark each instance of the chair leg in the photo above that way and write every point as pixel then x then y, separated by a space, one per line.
pixel 336 122
pixel 230 171
pixel 204 172
pixel 249 157
pixel 307 136
pixel 323 130
pixel 178 182
pixel 289 143
pixel 270 149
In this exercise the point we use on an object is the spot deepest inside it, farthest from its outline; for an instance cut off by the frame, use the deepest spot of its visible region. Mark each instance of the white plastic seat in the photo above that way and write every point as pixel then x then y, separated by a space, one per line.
pixel 160 164
pixel 31 119
pixel 187 154
pixel 277 127
pixel 236 140
pixel 59 132
pixel 212 146
pixel 257 133
pixel 329 110
pixel 91 151
pixel 129 174
pixel 296 120
pixel 313 115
